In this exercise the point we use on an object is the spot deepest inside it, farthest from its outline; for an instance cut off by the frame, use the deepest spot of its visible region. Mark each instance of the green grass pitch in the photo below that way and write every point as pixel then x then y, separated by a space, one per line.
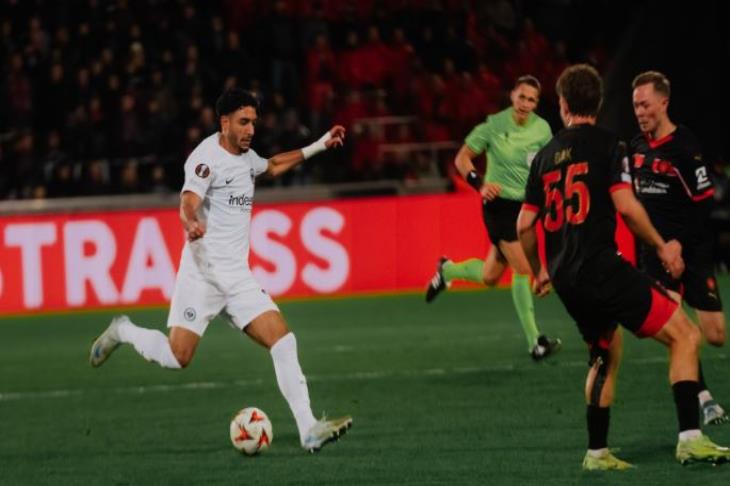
pixel 440 394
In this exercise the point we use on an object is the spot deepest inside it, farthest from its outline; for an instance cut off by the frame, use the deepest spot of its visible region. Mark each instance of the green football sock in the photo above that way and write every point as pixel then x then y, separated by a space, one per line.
pixel 470 270
pixel 522 298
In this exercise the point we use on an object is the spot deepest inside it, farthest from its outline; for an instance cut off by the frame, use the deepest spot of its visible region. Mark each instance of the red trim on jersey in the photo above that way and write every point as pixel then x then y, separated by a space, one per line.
pixel 701 197
pixel 662 308
pixel 530 207
pixel 696 198
pixel 659 141
pixel 619 186
pixel 605 343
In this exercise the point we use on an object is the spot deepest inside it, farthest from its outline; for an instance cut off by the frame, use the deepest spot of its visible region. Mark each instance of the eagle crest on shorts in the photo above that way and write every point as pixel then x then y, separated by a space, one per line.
pixel 202 171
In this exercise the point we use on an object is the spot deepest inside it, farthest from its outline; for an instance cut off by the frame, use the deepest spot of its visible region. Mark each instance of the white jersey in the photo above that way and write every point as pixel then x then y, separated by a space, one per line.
pixel 225 182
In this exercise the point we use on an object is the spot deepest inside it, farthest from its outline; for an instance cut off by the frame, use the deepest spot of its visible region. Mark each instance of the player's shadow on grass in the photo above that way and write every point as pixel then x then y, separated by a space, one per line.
pixel 647 454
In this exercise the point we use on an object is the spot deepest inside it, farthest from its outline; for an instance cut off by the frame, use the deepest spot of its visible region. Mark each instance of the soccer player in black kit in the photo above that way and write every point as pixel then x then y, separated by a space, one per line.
pixel 671 181
pixel 577 183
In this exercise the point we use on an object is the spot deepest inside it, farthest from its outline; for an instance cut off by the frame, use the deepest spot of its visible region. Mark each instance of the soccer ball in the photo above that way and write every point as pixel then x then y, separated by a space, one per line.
pixel 251 431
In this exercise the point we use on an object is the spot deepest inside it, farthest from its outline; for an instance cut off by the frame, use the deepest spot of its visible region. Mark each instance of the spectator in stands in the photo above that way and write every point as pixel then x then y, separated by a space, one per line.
pixel 281 30
pixel 129 178
pixel 62 182
pixel 96 178
pixel 108 74
pixel 54 155
pixel 158 180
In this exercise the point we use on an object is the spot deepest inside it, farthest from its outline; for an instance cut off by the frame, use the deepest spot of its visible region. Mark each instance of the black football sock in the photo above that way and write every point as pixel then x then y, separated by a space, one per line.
pixel 701 375
pixel 688 409
pixel 598 419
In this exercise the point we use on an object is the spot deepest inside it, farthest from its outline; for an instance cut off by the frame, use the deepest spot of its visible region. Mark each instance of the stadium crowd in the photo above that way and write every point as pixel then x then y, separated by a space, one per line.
pixel 109 97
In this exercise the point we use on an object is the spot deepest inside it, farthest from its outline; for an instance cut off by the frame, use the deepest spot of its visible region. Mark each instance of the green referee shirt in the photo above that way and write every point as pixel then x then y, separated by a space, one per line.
pixel 510 149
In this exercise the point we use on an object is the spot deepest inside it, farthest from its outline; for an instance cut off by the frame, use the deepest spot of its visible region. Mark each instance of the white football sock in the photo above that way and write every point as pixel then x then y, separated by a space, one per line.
pixel 292 383
pixel 150 343
pixel 598 452
pixel 704 396
pixel 690 434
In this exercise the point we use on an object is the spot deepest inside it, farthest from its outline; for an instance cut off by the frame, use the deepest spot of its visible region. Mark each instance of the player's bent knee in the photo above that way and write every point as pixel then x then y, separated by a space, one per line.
pixel 680 331
pixel 267 328
pixel 183 355
pixel 691 336
pixel 182 352
pixel 713 327
pixel 491 273
pixel 276 332
pixel 695 336
pixel 490 281
pixel 183 343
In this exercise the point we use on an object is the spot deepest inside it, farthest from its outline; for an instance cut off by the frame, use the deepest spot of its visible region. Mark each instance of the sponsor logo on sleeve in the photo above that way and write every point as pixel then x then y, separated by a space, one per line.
pixel 202 171
pixel 625 173
pixel 703 181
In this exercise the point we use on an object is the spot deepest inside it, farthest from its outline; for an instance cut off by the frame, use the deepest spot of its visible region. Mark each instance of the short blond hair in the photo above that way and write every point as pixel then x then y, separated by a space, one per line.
pixel 656 79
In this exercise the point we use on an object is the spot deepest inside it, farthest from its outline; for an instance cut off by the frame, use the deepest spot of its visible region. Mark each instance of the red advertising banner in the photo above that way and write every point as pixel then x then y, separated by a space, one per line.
pixel 116 258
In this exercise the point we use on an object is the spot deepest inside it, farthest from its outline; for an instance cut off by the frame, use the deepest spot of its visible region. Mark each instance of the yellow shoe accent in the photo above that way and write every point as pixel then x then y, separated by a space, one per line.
pixel 701 449
pixel 606 462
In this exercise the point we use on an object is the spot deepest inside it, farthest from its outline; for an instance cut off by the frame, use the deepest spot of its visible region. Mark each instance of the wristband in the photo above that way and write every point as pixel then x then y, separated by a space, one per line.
pixel 316 147
pixel 474 180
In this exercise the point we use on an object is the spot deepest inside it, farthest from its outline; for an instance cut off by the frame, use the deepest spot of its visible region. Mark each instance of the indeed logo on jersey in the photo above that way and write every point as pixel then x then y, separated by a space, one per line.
pixel 245 202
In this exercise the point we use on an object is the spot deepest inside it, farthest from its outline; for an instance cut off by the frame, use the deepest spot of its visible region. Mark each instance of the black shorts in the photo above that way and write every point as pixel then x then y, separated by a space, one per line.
pixel 697 284
pixel 500 219
pixel 609 291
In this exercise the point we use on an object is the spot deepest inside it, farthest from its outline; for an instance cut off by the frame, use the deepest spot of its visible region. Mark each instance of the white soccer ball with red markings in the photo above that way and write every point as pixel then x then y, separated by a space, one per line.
pixel 251 431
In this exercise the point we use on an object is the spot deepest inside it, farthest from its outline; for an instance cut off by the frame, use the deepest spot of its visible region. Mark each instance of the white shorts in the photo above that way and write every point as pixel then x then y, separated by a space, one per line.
pixel 198 299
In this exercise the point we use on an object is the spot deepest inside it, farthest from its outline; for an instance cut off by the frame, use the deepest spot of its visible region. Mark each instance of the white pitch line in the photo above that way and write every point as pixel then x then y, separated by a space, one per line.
pixel 7 397
pixel 356 375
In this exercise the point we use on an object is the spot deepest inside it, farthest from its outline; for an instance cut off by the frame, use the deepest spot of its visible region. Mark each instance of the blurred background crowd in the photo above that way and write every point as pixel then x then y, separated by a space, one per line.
pixel 102 97
pixel 109 97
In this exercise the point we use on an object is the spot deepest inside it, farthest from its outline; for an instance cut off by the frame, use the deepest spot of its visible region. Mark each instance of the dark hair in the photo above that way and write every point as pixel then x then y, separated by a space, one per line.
pixel 582 88
pixel 656 79
pixel 529 80
pixel 234 99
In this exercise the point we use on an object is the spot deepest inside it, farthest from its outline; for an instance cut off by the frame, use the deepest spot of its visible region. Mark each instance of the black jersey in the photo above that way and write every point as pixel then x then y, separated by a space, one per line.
pixel 570 184
pixel 672 182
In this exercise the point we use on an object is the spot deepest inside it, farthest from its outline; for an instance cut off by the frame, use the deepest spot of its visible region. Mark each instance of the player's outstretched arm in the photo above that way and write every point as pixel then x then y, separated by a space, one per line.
pixel 639 223
pixel 189 205
pixel 280 163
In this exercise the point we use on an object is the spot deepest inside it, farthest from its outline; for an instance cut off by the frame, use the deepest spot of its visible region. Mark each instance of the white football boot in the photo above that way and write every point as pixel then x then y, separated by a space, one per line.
pixel 325 431
pixel 107 342
pixel 713 413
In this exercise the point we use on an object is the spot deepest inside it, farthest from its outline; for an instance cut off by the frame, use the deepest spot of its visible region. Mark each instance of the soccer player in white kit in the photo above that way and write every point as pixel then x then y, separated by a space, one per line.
pixel 215 209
